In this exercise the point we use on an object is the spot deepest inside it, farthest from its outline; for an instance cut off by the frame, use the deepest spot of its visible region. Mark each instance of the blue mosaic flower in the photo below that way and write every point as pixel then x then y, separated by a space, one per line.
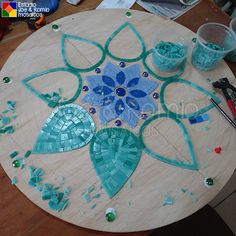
pixel 120 93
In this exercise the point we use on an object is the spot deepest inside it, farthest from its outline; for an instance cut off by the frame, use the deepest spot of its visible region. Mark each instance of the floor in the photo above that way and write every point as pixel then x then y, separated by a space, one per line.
pixel 225 203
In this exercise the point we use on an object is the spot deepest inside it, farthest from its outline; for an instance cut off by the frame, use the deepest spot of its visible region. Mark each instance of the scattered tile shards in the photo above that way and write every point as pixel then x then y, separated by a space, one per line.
pixel 168 200
pixel 93 206
pixel 5 121
pixel 14 181
pixel 58 201
pixel 191 195
pixel 86 195
pixel 96 196
pixel 13 154
pixel 27 154
pixel 129 203
pixel 130 183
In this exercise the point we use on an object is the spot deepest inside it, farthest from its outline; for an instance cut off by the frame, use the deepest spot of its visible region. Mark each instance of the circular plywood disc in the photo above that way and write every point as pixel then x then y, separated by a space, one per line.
pixel 139 207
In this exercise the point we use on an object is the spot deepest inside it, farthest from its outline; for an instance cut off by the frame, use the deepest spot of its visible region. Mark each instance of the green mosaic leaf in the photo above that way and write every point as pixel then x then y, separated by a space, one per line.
pixel 115 154
pixel 68 128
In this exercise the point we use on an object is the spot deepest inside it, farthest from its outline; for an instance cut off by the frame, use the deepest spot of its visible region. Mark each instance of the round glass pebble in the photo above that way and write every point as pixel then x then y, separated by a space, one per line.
pixel 6 80
pixel 118 123
pixel 16 163
pixel 155 95
pixel 98 70
pixel 128 14
pixel 85 88
pixel 55 27
pixel 144 116
pixel 145 74
pixel 122 64
pixel 110 214
pixel 208 182
pixel 92 110
pixel 120 92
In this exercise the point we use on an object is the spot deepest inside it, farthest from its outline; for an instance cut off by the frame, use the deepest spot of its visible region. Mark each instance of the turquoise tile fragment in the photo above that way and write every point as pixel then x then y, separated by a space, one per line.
pixel 115 146
pixel 14 181
pixel 68 128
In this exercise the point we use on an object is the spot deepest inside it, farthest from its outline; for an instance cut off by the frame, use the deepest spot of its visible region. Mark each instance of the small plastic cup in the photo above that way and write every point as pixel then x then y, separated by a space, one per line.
pixel 232 55
pixel 169 52
pixel 214 42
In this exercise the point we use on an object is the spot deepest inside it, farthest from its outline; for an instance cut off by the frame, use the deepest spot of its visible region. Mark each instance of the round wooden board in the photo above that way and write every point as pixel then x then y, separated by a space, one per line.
pixel 140 207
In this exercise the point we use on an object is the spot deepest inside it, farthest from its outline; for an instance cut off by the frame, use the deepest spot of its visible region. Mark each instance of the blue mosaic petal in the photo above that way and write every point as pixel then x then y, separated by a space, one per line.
pixel 102 90
pixel 147 104
pixel 107 113
pixel 119 107
pixel 131 72
pixel 115 154
pixel 120 77
pixel 111 70
pixel 107 100
pixel 132 103
pixel 138 93
pixel 68 128
pixel 94 81
pixel 133 82
pixel 108 81
pixel 130 117
pixel 146 85
pixel 92 98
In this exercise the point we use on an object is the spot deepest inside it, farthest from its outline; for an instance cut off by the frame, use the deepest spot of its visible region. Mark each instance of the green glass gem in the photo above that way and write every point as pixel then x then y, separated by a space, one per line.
pixel 110 217
pixel 16 163
pixel 6 80
pixel 194 40
pixel 110 214
pixel 128 14
pixel 55 27
pixel 210 181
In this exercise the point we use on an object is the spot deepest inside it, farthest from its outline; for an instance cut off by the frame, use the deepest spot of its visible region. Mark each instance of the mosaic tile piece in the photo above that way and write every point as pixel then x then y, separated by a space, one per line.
pixel 68 128
pixel 115 154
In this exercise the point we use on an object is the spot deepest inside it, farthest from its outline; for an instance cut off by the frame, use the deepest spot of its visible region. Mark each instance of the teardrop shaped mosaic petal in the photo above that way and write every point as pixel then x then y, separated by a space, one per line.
pixel 135 33
pixel 68 128
pixel 115 154
pixel 78 38
pixel 194 86
pixel 192 166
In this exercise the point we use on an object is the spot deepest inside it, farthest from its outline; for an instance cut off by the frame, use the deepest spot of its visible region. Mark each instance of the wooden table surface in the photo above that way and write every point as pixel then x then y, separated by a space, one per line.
pixel 18 215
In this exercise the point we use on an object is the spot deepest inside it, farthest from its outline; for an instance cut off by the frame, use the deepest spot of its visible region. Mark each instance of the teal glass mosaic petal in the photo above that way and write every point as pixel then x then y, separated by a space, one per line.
pixel 46 98
pixel 77 38
pixel 136 34
pixel 115 154
pixel 68 128
pixel 192 166
pixel 194 86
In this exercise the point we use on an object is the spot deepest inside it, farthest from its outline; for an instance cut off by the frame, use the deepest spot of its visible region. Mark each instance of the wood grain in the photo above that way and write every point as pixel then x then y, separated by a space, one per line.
pixel 26 209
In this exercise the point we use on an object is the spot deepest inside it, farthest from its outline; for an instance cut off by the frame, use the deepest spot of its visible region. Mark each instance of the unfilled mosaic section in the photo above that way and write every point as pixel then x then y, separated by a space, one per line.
pixel 115 154
pixel 69 127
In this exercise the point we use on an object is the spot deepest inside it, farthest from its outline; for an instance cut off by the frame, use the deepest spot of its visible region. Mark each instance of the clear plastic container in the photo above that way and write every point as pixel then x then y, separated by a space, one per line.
pixel 232 55
pixel 214 42
pixel 169 51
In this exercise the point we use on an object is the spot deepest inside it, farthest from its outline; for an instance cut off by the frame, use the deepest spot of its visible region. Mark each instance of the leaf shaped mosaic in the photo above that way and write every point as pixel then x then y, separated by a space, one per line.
pixel 115 154
pixel 68 128
pixel 192 166
pixel 194 86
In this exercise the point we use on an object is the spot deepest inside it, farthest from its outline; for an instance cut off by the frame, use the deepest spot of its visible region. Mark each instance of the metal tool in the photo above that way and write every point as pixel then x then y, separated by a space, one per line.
pixel 223 112
pixel 224 85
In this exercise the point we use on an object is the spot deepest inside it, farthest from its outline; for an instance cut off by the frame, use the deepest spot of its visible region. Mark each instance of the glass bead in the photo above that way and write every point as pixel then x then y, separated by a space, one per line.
pixel 6 80
pixel 128 14
pixel 120 92
pixel 144 116
pixel 110 214
pixel 92 110
pixel 55 28
pixel 122 64
pixel 118 123
pixel 208 182
pixel 85 88
pixel 98 70
pixel 156 95
pixel 145 74
pixel 16 163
